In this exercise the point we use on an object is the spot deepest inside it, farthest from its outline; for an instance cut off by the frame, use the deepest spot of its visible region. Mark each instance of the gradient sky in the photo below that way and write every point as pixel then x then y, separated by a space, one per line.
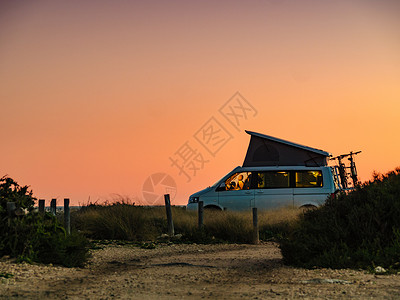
pixel 96 96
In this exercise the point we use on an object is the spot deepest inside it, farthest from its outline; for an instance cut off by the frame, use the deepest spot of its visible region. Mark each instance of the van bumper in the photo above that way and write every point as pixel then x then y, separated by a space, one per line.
pixel 192 206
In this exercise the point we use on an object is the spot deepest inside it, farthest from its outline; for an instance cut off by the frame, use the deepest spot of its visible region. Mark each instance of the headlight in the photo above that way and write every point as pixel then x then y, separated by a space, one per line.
pixel 193 199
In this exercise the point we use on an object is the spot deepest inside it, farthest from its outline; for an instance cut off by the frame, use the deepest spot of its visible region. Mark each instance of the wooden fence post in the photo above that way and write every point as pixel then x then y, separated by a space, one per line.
pixel 10 211
pixel 41 206
pixel 169 215
pixel 200 212
pixel 256 237
pixel 53 206
pixel 67 216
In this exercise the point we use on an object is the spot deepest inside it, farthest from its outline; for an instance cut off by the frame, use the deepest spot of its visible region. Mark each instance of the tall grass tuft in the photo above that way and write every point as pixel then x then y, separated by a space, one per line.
pixel 126 221
pixel 278 223
pixel 120 221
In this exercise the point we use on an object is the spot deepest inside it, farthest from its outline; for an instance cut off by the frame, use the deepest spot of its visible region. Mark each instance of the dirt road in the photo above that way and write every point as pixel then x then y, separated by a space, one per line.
pixel 191 272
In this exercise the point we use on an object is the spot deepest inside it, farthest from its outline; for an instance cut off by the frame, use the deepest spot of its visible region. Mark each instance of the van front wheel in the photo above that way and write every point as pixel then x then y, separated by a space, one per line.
pixel 212 208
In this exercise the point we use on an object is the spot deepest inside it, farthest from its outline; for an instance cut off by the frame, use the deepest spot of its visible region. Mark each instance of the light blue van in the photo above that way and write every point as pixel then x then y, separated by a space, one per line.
pixel 267 187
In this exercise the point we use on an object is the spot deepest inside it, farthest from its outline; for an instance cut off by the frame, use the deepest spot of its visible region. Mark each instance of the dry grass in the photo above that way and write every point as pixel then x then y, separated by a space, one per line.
pixel 136 223
pixel 278 216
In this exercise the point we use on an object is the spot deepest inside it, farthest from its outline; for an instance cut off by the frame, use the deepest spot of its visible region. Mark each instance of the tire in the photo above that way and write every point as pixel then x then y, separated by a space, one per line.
pixel 212 208
pixel 308 207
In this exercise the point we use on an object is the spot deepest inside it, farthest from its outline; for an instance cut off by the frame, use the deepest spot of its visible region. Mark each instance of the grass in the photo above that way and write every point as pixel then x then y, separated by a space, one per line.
pixel 123 221
pixel 119 221
pixel 278 223
pixel 6 275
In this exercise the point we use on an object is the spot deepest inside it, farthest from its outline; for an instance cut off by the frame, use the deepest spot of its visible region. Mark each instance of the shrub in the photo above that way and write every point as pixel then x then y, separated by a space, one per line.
pixel 358 229
pixel 33 236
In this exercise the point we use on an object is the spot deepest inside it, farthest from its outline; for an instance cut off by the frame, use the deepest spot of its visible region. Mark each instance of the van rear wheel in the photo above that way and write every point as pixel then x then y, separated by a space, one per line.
pixel 307 207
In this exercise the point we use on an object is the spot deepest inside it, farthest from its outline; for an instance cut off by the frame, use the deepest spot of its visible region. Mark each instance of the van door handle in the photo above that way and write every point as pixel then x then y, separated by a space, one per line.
pixel 260 192
pixel 248 193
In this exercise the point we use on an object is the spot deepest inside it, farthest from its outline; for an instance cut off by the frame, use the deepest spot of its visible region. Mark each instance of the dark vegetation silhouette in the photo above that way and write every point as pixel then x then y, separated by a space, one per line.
pixel 360 229
pixel 33 237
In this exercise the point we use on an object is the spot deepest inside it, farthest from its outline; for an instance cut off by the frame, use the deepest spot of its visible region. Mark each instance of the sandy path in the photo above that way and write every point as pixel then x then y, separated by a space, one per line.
pixel 191 272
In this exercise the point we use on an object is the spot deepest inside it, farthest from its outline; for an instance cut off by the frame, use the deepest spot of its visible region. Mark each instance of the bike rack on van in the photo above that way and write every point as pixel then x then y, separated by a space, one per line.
pixel 341 174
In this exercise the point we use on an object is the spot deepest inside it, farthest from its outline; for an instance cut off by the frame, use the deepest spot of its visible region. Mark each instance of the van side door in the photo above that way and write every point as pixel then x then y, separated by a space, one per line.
pixel 273 189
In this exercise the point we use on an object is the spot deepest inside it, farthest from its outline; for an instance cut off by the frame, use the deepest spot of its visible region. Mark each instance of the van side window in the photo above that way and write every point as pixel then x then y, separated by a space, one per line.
pixel 238 181
pixel 273 179
pixel 309 178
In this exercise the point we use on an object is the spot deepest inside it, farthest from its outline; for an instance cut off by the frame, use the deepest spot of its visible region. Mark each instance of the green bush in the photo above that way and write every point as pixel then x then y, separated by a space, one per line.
pixel 10 191
pixel 360 229
pixel 31 236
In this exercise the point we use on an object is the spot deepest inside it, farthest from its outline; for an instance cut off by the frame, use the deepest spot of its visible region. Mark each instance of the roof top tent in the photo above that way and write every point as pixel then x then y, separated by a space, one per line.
pixel 265 150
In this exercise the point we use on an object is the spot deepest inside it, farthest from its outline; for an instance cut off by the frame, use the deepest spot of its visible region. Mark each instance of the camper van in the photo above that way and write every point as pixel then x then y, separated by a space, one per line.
pixel 267 188
pixel 275 173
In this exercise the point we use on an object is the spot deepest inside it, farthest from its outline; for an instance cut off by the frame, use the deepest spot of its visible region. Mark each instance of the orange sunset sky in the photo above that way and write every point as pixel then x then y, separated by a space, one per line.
pixel 98 96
